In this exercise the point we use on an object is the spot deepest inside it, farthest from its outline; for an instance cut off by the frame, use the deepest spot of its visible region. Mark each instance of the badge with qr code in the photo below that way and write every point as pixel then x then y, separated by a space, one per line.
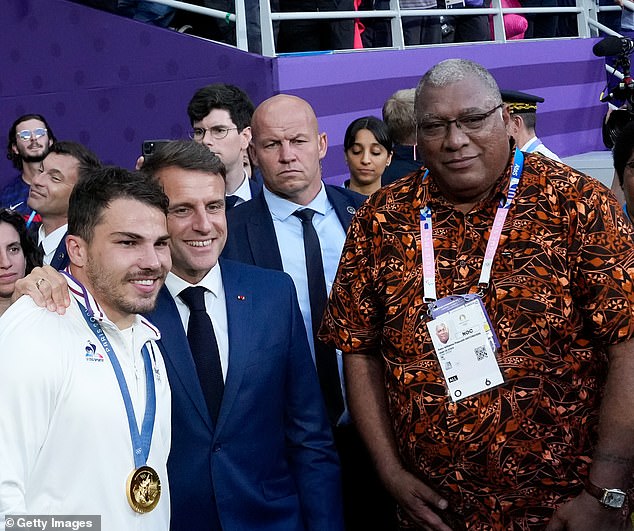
pixel 465 346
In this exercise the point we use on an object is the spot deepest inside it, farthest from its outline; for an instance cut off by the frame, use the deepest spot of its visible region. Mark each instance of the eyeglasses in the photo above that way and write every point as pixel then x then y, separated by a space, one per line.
pixel 26 135
pixel 216 132
pixel 469 123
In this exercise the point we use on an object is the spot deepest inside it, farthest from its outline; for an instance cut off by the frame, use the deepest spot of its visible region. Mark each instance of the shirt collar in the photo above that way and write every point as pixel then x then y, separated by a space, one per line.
pixel 282 208
pixel 51 241
pixel 531 144
pixel 244 190
pixel 212 281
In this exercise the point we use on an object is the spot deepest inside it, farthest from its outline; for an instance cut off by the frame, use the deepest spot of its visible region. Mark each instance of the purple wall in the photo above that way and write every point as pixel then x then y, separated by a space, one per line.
pixel 107 81
pixel 343 87
pixel 110 82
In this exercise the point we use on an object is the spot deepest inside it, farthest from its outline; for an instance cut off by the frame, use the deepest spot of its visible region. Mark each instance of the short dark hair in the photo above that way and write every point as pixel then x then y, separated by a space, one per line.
pixel 373 124
pixel 14 157
pixel 96 190
pixel 31 252
pixel 623 149
pixel 222 96
pixel 186 155
pixel 88 161
pixel 529 118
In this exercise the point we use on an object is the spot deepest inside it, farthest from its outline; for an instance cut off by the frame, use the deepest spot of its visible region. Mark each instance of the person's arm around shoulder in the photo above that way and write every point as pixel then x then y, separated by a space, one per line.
pixel 47 287
pixel 367 401
pixel 614 454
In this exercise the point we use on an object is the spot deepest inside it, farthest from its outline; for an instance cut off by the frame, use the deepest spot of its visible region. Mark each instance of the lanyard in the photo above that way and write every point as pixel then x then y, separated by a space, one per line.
pixel 427 241
pixel 140 441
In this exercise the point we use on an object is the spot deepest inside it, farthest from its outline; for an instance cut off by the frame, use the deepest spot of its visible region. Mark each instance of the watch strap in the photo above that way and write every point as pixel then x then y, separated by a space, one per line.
pixel 600 492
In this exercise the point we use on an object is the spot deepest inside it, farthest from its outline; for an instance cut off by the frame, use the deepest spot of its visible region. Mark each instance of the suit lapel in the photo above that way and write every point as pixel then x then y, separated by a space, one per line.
pixel 60 258
pixel 239 314
pixel 261 236
pixel 255 187
pixel 344 208
pixel 175 349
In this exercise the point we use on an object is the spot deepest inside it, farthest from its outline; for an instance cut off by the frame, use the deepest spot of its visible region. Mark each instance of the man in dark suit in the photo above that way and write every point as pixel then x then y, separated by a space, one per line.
pixel 268 461
pixel 265 460
pixel 268 231
pixel 220 115
pixel 49 193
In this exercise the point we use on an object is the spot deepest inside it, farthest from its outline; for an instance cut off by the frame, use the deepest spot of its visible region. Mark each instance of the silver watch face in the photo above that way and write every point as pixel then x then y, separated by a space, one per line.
pixel 613 498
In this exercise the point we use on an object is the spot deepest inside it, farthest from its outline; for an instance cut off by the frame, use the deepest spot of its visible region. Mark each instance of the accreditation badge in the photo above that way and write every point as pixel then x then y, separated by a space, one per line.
pixel 143 489
pixel 465 344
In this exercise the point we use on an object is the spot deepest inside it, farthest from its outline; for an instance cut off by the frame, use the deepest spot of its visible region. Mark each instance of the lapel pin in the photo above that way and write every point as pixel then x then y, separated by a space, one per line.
pixel 351 210
pixel 241 298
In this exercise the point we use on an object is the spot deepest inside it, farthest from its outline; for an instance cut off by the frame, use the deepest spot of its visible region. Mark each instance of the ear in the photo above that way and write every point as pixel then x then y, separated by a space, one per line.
pixel 512 125
pixel 77 249
pixel 322 139
pixel 389 159
pixel 245 138
pixel 506 115
pixel 253 155
pixel 14 148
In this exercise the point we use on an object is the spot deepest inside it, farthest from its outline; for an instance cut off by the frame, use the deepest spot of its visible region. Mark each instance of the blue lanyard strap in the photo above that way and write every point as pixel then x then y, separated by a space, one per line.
pixel 140 441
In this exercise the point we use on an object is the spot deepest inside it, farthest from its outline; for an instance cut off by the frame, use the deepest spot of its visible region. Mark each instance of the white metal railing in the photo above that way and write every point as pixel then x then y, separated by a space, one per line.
pixel 586 11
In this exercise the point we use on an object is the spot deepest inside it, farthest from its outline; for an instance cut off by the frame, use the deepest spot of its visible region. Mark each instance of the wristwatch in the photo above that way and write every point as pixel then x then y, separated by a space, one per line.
pixel 610 498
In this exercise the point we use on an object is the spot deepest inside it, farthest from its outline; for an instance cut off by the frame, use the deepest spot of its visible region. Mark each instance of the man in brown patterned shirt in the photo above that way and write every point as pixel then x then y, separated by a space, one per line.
pixel 540 449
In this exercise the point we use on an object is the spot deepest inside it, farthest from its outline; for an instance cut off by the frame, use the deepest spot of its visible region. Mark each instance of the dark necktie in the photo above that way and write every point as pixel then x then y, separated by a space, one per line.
pixel 202 342
pixel 230 201
pixel 325 356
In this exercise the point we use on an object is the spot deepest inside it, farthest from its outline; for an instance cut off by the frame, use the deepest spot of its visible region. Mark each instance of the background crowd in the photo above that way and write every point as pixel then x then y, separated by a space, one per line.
pixel 258 243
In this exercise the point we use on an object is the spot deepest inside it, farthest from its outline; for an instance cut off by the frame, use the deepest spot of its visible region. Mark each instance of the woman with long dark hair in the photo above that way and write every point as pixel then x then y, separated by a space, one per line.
pixel 18 254
pixel 368 150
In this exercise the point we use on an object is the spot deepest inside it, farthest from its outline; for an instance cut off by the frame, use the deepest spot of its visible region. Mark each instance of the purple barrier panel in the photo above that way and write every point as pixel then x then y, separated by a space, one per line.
pixel 107 81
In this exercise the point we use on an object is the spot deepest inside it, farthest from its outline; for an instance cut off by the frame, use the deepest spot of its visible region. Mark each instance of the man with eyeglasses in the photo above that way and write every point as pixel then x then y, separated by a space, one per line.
pixel 522 419
pixel 30 138
pixel 220 116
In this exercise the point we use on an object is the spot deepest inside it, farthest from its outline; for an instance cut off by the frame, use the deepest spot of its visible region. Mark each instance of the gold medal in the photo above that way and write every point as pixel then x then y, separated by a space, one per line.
pixel 143 489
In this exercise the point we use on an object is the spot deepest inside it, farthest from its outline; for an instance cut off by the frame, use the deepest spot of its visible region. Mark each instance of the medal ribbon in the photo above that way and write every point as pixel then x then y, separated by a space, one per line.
pixel 427 242
pixel 140 441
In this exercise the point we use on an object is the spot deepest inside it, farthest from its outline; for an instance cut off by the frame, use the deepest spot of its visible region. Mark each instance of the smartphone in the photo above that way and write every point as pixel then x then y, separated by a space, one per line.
pixel 149 146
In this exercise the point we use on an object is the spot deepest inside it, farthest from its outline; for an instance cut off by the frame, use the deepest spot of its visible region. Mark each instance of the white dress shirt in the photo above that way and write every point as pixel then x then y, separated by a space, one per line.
pixel 50 242
pixel 290 239
pixel 243 192
pixel 216 306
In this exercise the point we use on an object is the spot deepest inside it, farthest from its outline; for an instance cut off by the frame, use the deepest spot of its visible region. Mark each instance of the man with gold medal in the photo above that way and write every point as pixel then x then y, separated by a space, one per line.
pixel 85 419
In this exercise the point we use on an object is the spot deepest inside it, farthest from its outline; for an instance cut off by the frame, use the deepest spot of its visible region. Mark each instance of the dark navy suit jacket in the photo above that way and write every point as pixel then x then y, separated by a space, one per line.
pixel 270 463
pixel 403 163
pixel 60 258
pixel 255 185
pixel 251 235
